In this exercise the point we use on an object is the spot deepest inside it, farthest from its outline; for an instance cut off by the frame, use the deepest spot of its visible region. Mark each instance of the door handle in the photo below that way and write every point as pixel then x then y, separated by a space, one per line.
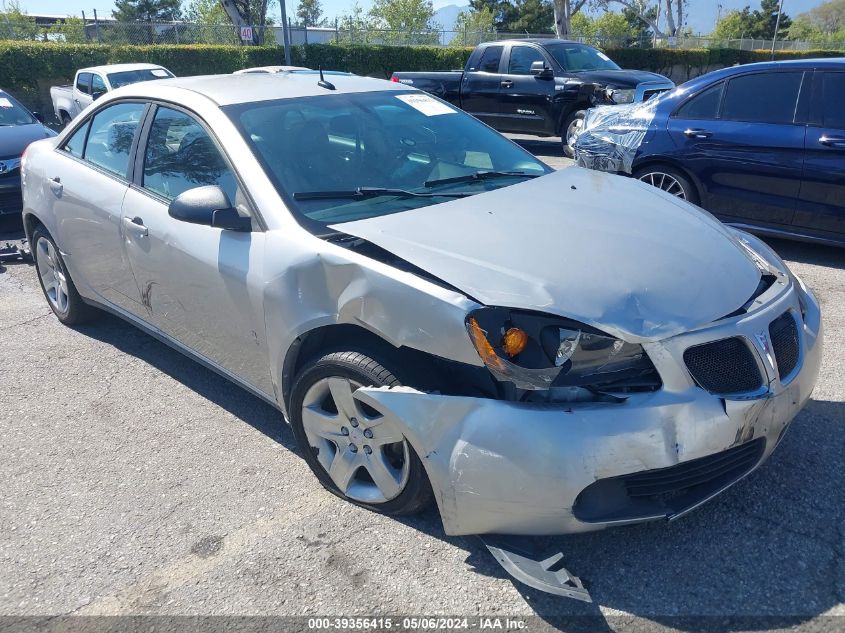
pixel 56 185
pixel 507 83
pixel 697 133
pixel 832 141
pixel 136 224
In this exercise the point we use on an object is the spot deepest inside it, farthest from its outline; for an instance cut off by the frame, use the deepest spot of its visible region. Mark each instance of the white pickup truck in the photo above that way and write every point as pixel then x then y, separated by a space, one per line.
pixel 91 83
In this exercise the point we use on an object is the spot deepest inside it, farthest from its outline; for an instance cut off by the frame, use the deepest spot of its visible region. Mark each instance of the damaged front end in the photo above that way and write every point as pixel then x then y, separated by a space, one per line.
pixel 612 135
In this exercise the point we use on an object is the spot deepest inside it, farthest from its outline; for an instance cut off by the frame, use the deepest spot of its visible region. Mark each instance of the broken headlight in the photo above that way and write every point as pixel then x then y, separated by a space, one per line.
pixel 618 95
pixel 539 352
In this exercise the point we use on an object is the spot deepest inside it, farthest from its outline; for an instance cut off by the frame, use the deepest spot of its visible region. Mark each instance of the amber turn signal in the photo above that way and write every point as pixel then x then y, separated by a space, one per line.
pixel 485 350
pixel 514 341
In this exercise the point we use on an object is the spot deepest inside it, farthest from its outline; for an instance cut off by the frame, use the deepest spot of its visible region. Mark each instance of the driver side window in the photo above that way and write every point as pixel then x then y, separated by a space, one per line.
pixel 180 155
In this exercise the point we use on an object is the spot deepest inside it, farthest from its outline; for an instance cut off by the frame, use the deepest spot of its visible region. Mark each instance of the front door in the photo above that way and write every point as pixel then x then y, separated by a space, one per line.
pixel 88 177
pixel 525 100
pixel 747 156
pixel 200 285
pixel 821 204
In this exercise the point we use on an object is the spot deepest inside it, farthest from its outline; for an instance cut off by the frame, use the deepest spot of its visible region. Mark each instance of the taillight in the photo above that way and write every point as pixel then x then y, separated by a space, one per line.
pixel 394 79
pixel 23 158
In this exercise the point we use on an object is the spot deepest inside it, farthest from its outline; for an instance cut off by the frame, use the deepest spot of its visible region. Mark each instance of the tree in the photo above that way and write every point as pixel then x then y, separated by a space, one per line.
pixel 309 12
pixel 72 30
pixel 472 27
pixel 16 23
pixel 765 19
pixel 532 16
pixel 564 10
pixel 826 21
pixel 735 25
pixel 147 10
pixel 405 21
pixel 355 25
pixel 646 10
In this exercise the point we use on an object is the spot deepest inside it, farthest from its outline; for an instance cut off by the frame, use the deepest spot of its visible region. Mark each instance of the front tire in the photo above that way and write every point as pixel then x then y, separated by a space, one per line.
pixel 58 287
pixel 572 127
pixel 355 452
pixel 670 180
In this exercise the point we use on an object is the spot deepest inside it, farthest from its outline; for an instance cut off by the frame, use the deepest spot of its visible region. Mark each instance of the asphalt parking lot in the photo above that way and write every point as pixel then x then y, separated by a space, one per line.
pixel 135 481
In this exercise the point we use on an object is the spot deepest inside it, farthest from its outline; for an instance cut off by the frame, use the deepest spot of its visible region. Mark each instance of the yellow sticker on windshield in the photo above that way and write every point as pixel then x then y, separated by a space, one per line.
pixel 426 105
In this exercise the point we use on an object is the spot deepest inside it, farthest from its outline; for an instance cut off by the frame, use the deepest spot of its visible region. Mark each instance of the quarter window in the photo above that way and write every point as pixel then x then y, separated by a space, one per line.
pixel 834 97
pixel 490 59
pixel 521 59
pixel 762 98
pixel 75 145
pixel 83 82
pixel 705 105
pixel 180 155
pixel 111 135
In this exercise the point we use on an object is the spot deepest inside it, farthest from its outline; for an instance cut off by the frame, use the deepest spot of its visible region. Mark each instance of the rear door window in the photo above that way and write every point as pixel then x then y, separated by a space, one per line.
pixel 705 105
pixel 762 97
pixel 83 82
pixel 110 139
pixel 833 110
pixel 489 62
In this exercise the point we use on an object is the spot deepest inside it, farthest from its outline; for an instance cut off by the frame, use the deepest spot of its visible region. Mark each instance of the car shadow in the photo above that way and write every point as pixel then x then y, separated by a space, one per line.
pixel 807 253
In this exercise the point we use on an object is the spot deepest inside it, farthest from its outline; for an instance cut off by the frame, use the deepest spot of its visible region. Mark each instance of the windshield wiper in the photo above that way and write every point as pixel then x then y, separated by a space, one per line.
pixel 480 175
pixel 371 192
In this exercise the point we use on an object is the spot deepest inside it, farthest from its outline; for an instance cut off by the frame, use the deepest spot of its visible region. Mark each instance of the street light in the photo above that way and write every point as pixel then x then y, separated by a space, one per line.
pixel 774 35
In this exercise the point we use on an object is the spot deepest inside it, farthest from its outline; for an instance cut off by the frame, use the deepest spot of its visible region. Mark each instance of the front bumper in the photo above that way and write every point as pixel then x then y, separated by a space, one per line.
pixel 517 468
pixel 11 200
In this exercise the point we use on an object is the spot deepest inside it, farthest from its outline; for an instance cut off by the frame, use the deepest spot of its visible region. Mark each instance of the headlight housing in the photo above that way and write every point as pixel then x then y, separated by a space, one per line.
pixel 621 95
pixel 540 352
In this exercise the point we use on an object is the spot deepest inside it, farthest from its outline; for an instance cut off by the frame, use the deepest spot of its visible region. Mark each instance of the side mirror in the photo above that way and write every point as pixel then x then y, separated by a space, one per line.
pixel 97 95
pixel 38 117
pixel 541 71
pixel 209 206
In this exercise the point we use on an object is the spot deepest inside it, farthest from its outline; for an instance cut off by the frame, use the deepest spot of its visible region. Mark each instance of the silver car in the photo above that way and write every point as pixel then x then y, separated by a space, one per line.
pixel 434 311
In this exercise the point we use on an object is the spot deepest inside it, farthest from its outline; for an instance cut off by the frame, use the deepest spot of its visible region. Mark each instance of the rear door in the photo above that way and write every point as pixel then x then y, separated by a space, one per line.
pixel 742 141
pixel 525 100
pixel 821 205
pixel 480 84
pixel 81 93
pixel 199 284
pixel 87 179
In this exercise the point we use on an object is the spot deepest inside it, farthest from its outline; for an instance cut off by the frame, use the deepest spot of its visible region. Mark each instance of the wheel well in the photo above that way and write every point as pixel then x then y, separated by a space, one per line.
pixel 30 222
pixel 412 367
pixel 671 165
pixel 576 107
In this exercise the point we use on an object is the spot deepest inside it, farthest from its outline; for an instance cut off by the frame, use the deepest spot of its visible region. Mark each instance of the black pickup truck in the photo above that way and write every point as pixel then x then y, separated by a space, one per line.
pixel 537 86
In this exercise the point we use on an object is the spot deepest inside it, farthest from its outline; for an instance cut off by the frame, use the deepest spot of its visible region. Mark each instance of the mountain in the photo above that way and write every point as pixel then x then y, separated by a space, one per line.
pixel 445 17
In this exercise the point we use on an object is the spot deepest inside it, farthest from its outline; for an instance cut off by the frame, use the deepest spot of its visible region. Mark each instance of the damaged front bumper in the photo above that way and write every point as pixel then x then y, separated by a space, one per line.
pixel 501 467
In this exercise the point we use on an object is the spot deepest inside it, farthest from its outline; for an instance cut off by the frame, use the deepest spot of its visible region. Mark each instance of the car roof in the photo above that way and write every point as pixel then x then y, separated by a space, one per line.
pixel 536 40
pixel 268 69
pixel 253 87
pixel 117 68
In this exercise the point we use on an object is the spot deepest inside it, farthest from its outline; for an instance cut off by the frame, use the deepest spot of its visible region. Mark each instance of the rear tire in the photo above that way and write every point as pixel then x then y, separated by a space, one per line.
pixel 571 128
pixel 670 180
pixel 58 287
pixel 355 452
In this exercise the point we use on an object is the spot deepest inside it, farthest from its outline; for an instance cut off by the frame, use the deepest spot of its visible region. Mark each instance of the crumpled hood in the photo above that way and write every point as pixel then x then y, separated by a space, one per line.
pixel 604 250
pixel 619 78
pixel 15 138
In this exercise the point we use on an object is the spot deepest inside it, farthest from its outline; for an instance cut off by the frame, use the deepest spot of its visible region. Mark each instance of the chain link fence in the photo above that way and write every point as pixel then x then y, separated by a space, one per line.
pixel 74 30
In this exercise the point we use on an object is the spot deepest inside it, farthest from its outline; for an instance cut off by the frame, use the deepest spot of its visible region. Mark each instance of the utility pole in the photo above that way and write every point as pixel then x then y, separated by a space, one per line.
pixel 285 32
pixel 775 34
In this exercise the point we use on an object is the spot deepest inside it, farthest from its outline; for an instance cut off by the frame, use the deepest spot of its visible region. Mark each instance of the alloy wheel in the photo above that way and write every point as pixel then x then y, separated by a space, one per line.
pixel 574 131
pixel 52 273
pixel 364 454
pixel 666 182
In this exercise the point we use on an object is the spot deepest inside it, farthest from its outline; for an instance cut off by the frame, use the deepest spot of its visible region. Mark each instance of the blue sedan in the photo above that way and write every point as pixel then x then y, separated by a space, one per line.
pixel 761 146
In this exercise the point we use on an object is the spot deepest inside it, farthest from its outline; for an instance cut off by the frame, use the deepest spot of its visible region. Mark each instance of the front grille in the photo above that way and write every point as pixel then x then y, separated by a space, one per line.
pixel 666 491
pixel 10 201
pixel 676 480
pixel 724 367
pixel 783 333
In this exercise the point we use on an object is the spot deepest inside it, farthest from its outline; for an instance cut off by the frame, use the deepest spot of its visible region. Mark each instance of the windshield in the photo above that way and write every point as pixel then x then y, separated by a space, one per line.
pixel 12 113
pixel 135 76
pixel 578 57
pixel 343 157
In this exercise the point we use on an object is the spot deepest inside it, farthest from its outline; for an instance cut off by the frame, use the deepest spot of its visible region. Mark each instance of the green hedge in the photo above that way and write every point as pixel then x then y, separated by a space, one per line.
pixel 29 68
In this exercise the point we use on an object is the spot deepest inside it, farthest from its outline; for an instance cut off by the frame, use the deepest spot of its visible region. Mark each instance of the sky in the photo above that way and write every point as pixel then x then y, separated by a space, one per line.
pixel 702 12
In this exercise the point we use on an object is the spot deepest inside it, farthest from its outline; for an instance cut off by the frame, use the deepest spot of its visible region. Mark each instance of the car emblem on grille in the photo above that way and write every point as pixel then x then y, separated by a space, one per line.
pixel 763 341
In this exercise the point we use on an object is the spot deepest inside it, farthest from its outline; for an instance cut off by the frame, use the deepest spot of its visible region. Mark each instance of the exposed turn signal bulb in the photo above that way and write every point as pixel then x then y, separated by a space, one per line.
pixel 514 341
pixel 482 345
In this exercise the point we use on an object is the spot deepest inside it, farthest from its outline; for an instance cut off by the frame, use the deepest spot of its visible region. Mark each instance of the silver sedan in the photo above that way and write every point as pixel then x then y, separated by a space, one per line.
pixel 434 312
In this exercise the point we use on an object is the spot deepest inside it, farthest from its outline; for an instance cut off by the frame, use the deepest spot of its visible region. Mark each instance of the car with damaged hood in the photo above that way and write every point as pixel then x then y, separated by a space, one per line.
pixel 770 165
pixel 436 313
